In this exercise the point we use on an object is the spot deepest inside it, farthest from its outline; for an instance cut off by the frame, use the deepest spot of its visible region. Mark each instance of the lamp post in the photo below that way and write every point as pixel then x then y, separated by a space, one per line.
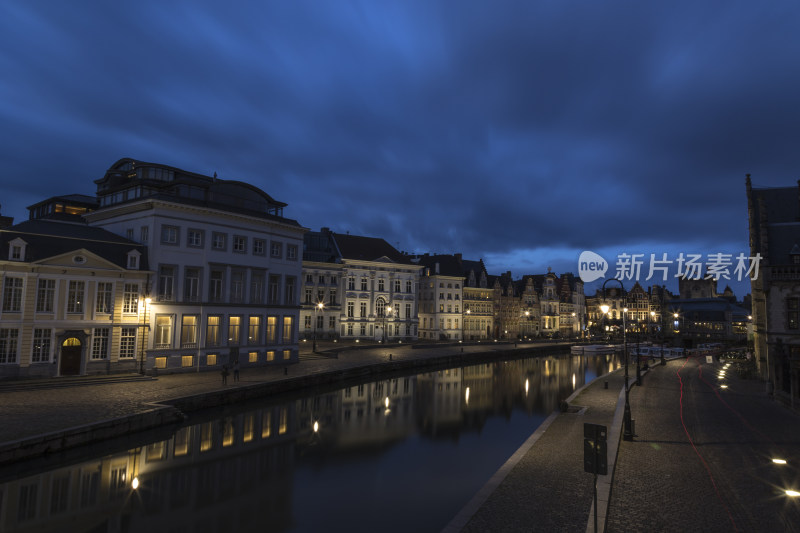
pixel 146 321
pixel 638 351
pixel 527 321
pixel 317 307
pixel 464 323
pixel 385 316
pixel 626 419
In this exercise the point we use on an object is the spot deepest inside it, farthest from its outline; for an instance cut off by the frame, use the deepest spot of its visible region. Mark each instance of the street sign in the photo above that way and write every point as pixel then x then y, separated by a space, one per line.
pixel 710 359
pixel 595 451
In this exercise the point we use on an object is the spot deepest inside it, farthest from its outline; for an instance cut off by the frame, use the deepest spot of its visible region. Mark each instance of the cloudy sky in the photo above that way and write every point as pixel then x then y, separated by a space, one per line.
pixel 519 132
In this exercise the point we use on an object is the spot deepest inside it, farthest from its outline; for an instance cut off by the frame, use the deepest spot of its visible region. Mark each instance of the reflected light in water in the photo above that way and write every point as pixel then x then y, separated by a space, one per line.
pixel 135 483
pixel 386 402
pixel 466 395
pixel 316 427
pixel 527 385
pixel 573 381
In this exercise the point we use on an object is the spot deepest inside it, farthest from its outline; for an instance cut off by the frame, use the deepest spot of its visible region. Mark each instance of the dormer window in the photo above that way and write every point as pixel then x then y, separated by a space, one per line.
pixel 133 259
pixel 16 250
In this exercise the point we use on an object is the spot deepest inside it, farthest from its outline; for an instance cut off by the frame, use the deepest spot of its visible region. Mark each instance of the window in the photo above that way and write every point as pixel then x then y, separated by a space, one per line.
pixel 252 357
pixel 271 355
pixel 195 238
pixel 163 331
pixel 257 287
pixel 320 321
pixel 187 360
pixel 259 247
pixel 237 286
pixel 234 330
pixel 308 296
pixel 240 244
pixel 211 359
pixel 351 283
pixel 350 330
pixel 130 298
pixel 254 330
pixel 8 345
pixel 59 494
pixel 12 295
pixel 276 249
pixel 307 322
pixel 75 297
pixel 380 285
pixel 191 284
pixel 266 419
pixel 332 297
pixel 218 241
pixel 363 283
pixel 332 322
pixel 215 284
pixel 161 362
pixel 272 325
pixel 287 329
pixel 212 330
pixel 127 343
pixel 189 331
pixel 169 234
pixel 792 308
pixel 408 311
pixel 45 294
pixel 333 280
pixel 16 252
pixel 166 282
pixel 100 343
pixel 41 345
pixel 274 289
pixel 133 260
pixel 350 309
pixel 397 285
pixel 290 289
pixel 287 354
pixel 104 301
pixel 321 295
pixel 408 286
pixel 363 309
pixel 380 307
pixel 144 234
pixel 291 252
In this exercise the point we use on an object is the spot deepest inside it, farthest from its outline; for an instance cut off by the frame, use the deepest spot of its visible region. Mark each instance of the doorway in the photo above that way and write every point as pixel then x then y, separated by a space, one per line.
pixel 71 352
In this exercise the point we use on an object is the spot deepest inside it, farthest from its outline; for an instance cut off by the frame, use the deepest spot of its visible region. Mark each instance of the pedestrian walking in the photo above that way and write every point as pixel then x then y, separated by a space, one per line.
pixel 224 374
pixel 236 371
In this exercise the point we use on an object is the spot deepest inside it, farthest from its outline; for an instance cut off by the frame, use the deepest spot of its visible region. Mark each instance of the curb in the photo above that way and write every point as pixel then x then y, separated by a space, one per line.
pixel 477 501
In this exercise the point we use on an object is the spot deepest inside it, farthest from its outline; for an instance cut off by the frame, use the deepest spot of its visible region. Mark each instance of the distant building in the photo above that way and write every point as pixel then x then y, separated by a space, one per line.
pixel 774 223
pixel 227 265
pixel 373 285
pixel 478 308
pixel 441 297
pixel 71 295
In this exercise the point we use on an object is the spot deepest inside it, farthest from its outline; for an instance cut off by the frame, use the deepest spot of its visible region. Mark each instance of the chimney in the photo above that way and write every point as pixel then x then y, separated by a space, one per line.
pixel 6 222
pixel 437 267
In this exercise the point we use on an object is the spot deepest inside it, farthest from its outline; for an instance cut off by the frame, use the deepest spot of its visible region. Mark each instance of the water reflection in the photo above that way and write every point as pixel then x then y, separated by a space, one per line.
pixel 393 455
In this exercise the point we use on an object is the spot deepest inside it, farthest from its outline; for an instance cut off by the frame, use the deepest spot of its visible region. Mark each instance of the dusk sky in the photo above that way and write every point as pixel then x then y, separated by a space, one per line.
pixel 518 132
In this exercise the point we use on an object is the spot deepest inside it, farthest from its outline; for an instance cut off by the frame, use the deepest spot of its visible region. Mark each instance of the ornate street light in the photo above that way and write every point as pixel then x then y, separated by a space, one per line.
pixel 146 321
pixel 464 323
pixel 385 315
pixel 317 307
pixel 626 420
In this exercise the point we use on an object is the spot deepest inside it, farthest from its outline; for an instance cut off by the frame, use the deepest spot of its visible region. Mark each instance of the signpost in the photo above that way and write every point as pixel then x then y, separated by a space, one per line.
pixel 595 456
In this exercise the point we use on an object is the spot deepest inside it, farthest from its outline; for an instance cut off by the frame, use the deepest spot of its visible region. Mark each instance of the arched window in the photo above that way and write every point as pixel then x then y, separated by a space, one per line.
pixel 380 307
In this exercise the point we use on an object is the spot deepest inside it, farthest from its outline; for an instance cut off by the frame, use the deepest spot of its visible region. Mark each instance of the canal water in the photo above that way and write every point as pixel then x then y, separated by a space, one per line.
pixel 395 455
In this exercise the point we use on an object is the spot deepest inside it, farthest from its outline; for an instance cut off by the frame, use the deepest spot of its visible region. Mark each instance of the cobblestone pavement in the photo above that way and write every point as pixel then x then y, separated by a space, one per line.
pixel 36 412
pixel 548 489
pixel 661 484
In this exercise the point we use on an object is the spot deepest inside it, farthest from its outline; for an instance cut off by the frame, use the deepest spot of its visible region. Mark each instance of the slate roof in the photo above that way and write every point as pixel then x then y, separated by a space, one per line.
pixel 50 238
pixel 367 248
pixel 449 265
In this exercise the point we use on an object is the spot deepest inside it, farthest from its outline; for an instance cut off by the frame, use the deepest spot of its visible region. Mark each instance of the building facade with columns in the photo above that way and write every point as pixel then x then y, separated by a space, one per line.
pixel 226 264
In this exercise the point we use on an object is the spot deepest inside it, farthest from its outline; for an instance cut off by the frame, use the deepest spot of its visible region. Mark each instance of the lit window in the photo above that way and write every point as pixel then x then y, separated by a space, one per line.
pixel 211 359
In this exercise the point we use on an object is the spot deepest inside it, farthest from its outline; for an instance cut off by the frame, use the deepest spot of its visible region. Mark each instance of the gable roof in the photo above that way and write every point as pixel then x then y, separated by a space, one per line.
pixel 449 265
pixel 50 238
pixel 367 249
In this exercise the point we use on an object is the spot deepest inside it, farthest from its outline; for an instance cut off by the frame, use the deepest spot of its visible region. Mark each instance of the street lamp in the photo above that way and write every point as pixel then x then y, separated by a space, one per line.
pixel 146 321
pixel 317 307
pixel 527 322
pixel 385 315
pixel 464 323
pixel 626 420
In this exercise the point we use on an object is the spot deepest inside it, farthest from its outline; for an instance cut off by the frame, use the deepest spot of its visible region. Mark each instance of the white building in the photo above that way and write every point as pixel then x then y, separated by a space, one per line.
pixel 227 265
pixel 441 298
pixel 373 287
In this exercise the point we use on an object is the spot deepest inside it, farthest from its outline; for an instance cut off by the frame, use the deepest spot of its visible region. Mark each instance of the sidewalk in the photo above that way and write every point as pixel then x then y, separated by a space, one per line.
pixel 658 482
pixel 73 411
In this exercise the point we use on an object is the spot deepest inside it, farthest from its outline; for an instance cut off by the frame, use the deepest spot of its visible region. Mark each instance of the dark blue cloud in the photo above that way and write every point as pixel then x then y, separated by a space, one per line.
pixel 522 132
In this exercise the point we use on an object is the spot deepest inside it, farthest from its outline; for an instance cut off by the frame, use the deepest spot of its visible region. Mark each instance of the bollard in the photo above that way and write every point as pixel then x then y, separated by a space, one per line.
pixel 605 384
pixel 286 371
